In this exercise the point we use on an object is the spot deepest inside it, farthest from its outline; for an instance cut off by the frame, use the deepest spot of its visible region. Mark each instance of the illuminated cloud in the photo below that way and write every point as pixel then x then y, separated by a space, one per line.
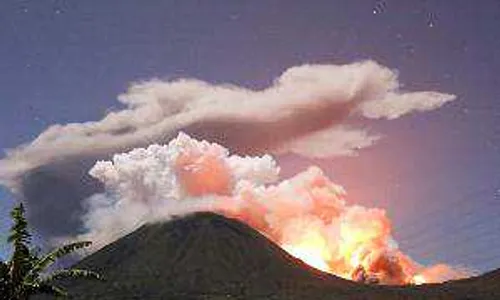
pixel 394 106
pixel 336 141
pixel 307 214
pixel 304 111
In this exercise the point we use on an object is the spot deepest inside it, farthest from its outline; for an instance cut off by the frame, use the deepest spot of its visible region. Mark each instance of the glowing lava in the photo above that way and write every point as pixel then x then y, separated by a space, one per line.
pixel 419 279
pixel 311 249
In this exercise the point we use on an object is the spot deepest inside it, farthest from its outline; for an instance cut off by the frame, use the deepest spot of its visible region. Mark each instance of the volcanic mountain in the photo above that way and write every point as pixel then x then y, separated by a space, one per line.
pixel 208 256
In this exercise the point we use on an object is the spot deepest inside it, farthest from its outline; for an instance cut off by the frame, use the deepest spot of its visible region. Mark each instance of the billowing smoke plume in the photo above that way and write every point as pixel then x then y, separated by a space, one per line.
pixel 304 111
pixel 308 215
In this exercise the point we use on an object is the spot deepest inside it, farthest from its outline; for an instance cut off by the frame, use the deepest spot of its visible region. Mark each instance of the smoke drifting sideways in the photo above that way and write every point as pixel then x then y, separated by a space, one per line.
pixel 306 110
pixel 307 215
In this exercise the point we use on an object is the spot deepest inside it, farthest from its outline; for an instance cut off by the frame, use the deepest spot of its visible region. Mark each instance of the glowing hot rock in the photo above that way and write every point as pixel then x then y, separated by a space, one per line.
pixel 419 279
pixel 312 250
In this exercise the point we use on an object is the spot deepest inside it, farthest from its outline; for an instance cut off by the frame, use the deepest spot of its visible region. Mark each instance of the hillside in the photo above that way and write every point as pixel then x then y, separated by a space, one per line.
pixel 207 256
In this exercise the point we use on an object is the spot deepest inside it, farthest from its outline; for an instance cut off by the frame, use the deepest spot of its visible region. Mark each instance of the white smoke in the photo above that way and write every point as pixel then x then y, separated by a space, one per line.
pixel 307 214
pixel 144 185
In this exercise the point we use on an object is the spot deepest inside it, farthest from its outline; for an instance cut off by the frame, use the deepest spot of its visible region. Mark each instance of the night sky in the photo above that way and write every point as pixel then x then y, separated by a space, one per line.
pixel 437 174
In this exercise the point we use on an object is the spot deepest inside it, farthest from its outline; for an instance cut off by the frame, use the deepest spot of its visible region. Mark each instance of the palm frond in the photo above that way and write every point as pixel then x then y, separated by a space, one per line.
pixel 72 274
pixel 23 275
pixel 52 256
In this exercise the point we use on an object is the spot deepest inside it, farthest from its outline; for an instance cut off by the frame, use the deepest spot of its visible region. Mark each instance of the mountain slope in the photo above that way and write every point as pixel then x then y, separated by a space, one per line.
pixel 207 256
pixel 201 254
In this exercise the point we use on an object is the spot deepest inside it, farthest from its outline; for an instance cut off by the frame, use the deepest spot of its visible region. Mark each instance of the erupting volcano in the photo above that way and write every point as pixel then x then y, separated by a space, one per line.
pixel 308 215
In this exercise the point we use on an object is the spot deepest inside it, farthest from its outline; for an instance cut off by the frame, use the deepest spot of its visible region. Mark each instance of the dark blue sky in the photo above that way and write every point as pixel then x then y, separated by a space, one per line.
pixel 437 174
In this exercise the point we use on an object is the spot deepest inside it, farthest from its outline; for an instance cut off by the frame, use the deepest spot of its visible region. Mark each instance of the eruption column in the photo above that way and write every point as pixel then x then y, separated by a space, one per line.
pixel 307 215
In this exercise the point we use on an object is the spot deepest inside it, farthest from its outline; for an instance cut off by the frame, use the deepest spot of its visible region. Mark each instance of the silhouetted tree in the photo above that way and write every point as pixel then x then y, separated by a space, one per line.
pixel 26 274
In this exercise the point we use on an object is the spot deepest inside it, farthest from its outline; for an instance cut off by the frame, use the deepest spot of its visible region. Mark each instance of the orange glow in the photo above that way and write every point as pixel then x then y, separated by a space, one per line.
pixel 202 174
pixel 419 279
pixel 308 216
pixel 311 249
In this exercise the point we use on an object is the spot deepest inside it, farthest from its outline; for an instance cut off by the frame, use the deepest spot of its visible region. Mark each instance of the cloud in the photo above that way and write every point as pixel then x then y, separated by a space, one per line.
pixel 304 106
pixel 396 105
pixel 336 141
pixel 157 182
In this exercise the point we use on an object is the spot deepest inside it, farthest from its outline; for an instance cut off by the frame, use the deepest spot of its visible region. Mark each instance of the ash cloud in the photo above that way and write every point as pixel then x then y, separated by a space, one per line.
pixel 307 215
pixel 301 111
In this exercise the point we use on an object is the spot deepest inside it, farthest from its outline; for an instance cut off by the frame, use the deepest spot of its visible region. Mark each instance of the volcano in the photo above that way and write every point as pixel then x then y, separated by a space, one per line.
pixel 208 256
